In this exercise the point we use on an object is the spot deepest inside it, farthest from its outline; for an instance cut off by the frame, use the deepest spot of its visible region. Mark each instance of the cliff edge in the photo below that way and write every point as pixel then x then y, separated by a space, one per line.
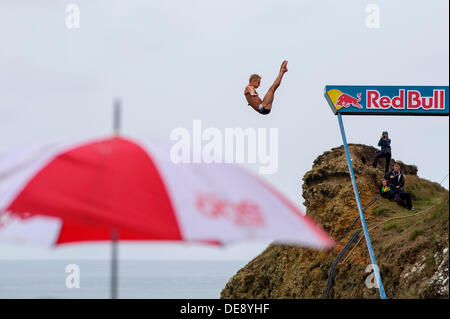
pixel 411 247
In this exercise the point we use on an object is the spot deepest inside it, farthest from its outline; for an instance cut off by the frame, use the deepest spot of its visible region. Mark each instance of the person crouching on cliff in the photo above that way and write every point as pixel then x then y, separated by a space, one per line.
pixel 386 191
pixel 389 191
pixel 395 177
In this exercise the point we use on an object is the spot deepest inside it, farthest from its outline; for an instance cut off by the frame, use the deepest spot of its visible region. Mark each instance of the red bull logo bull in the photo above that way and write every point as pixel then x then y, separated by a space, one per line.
pixel 340 99
pixel 346 100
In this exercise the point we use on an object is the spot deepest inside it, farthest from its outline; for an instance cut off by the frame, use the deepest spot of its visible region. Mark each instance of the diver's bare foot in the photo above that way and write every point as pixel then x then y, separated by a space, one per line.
pixel 283 67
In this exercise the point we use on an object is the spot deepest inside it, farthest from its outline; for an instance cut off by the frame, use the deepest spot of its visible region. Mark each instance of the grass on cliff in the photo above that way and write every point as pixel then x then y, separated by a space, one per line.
pixel 410 237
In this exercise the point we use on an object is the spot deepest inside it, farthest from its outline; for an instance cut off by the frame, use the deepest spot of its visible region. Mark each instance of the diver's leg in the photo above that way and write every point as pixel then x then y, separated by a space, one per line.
pixel 268 98
pixel 270 95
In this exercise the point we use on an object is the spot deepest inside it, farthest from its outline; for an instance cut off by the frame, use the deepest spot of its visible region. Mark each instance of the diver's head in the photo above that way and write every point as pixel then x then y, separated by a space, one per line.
pixel 255 80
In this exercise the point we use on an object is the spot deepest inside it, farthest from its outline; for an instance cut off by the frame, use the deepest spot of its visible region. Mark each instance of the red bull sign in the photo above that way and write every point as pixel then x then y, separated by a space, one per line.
pixel 388 100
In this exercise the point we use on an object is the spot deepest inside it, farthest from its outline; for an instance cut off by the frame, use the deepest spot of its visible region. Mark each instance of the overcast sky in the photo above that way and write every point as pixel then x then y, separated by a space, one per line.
pixel 176 61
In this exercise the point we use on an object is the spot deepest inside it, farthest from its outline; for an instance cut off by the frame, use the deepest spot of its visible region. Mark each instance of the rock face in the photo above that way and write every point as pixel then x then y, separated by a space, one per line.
pixel 411 247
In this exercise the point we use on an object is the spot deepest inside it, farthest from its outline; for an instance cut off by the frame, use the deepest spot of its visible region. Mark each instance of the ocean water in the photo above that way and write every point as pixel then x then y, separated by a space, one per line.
pixel 137 279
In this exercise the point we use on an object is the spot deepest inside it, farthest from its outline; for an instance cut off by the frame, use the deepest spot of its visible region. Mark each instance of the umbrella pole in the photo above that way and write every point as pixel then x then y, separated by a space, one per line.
pixel 114 268
pixel 115 231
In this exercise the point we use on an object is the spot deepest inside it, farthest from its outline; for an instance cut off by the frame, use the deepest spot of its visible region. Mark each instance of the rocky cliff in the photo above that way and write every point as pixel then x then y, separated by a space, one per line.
pixel 411 247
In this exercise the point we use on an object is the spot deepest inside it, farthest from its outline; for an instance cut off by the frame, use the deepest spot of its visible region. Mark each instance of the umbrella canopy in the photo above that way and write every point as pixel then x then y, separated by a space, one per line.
pixel 69 192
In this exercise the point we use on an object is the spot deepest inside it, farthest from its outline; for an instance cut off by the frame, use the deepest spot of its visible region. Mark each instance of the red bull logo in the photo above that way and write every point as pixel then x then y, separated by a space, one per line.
pixel 406 99
pixel 346 100
pixel 340 99
pixel 388 100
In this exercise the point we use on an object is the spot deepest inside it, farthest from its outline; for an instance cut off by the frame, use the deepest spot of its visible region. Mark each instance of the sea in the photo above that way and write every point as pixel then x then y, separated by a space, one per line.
pixel 68 279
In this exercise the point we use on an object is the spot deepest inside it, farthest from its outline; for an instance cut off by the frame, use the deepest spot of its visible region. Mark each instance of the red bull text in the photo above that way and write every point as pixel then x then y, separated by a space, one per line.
pixel 388 100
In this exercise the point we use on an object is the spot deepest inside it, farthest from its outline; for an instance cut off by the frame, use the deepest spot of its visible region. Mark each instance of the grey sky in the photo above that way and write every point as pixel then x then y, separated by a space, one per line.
pixel 176 61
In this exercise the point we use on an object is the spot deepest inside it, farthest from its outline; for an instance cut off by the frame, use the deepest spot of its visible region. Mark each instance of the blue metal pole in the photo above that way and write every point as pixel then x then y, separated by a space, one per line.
pixel 361 213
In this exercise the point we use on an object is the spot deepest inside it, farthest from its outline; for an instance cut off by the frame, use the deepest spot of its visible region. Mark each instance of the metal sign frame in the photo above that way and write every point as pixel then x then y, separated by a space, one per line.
pixel 382 100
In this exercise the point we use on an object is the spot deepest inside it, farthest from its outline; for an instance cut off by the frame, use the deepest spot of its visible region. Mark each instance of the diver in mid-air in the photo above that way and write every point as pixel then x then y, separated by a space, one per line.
pixel 265 105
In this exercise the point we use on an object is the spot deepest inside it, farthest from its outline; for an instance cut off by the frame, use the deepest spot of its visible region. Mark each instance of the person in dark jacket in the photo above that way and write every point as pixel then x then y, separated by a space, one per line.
pixel 385 144
pixel 395 178
pixel 389 191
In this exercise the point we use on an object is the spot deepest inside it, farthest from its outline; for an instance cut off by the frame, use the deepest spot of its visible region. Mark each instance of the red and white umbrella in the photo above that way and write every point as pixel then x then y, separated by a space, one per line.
pixel 69 192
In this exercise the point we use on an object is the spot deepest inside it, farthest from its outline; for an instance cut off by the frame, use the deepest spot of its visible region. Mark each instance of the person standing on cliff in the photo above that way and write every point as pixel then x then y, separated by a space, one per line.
pixel 265 105
pixel 385 143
